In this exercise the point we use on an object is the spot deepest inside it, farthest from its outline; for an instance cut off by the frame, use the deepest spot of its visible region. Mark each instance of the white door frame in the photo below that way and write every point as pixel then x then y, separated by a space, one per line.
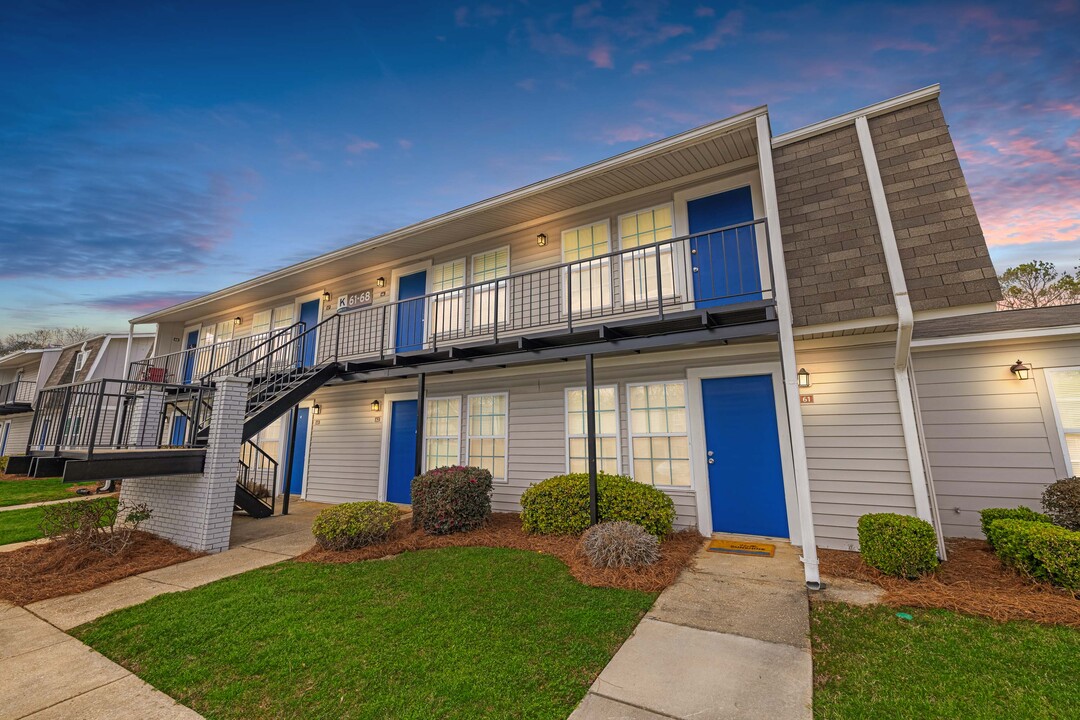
pixel 384 446
pixel 700 468
pixel 395 280
pixel 5 432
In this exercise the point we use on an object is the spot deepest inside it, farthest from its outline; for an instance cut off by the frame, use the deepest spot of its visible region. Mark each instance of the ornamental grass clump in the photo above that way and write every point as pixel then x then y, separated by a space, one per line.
pixel 353 525
pixel 619 544
pixel 897 545
pixel 1061 501
pixel 560 505
pixel 451 499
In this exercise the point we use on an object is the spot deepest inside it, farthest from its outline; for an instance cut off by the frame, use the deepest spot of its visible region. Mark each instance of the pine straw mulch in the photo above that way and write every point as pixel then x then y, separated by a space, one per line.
pixel 972 581
pixel 48 570
pixel 504 531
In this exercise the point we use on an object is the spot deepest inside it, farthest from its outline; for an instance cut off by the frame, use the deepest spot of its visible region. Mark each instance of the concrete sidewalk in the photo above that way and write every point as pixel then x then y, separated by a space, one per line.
pixel 75 498
pixel 730 639
pixel 49 674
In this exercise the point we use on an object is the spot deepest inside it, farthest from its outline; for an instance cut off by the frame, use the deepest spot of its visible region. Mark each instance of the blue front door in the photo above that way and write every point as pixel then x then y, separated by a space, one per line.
pixel 401 465
pixel 44 434
pixel 309 315
pixel 299 451
pixel 3 439
pixel 746 479
pixel 189 360
pixel 179 430
pixel 725 264
pixel 410 314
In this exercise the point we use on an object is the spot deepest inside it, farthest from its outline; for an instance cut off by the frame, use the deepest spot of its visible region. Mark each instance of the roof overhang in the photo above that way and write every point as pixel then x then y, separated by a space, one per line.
pixel 700 150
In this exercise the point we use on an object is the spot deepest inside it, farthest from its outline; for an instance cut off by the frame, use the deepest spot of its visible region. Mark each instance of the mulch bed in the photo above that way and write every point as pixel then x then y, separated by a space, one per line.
pixel 504 531
pixel 972 581
pixel 48 570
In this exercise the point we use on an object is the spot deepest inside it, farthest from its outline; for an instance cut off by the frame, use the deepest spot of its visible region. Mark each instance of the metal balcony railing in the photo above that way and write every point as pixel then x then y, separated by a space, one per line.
pixel 18 392
pixel 257 472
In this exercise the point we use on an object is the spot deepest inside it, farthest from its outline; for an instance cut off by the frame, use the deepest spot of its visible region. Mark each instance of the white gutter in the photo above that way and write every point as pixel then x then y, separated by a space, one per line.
pixel 885 106
pixel 787 355
pixel 127 350
pixel 920 478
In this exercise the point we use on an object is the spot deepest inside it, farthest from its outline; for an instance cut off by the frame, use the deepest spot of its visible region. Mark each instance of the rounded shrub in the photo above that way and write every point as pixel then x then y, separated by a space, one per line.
pixel 353 525
pixel 619 544
pixel 898 545
pixel 1061 501
pixel 989 515
pixel 1011 540
pixel 451 499
pixel 560 505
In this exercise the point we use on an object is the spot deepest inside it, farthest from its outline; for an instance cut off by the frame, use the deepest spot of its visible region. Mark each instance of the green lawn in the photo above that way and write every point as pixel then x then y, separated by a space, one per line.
pixel 19 525
pixel 19 492
pixel 450 633
pixel 869 663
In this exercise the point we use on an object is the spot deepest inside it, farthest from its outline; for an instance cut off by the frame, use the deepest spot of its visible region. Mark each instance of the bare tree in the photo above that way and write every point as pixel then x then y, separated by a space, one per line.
pixel 43 338
pixel 1038 284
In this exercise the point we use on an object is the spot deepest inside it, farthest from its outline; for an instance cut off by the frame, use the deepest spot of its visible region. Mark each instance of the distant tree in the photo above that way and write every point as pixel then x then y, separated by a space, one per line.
pixel 1038 284
pixel 43 338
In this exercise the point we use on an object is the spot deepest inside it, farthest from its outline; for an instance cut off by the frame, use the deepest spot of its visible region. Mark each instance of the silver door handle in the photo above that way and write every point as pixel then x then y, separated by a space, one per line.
pixel 711 461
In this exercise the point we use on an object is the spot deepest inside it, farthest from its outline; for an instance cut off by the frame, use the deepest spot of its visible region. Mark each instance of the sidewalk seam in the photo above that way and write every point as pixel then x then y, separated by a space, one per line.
pixel 61 702
pixel 630 704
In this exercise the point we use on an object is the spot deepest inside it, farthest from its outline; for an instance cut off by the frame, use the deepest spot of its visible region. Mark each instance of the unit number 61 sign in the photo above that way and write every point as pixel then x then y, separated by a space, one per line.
pixel 355 300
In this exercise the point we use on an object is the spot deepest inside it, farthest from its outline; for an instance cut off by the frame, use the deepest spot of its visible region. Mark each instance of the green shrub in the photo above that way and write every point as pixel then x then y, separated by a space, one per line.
pixel 1040 550
pixel 1061 501
pixel 353 525
pixel 3 463
pixel 989 515
pixel 898 545
pixel 451 499
pixel 1012 543
pixel 560 505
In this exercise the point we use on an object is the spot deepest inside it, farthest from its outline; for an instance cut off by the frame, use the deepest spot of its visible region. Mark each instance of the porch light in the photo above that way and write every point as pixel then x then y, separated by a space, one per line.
pixel 804 378
pixel 541 239
pixel 326 295
pixel 1020 370
pixel 375 406
pixel 316 409
pixel 236 320
pixel 380 282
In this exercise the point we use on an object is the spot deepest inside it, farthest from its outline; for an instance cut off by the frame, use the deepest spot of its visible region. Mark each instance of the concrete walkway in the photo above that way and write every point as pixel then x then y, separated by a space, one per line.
pixel 730 639
pixel 74 498
pixel 47 674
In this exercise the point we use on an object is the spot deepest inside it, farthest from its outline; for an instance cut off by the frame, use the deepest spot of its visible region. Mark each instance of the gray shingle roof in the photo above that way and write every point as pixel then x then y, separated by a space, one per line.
pixel 1000 321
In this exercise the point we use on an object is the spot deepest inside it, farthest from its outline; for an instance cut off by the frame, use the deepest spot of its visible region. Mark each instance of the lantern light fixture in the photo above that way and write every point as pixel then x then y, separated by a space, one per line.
pixel 380 281
pixel 316 409
pixel 375 405
pixel 1020 370
pixel 326 296
pixel 804 378
pixel 541 239
pixel 237 320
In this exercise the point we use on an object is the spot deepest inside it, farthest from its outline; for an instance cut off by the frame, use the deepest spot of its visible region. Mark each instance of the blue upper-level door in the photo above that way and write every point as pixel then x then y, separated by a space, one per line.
pixel 189 360
pixel 410 314
pixel 725 264
pixel 309 315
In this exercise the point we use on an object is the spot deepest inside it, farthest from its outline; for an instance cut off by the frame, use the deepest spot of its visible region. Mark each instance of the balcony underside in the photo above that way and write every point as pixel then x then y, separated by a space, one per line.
pixel 15 408
pixel 74 466
pixel 745 320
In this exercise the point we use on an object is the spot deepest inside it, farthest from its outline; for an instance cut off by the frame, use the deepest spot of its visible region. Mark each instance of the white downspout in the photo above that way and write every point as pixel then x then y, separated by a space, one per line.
pixel 920 482
pixel 787 354
pixel 127 350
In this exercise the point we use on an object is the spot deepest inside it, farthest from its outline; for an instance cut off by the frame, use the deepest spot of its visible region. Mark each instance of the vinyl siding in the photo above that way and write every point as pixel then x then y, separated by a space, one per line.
pixel 19 434
pixel 992 440
pixel 854 438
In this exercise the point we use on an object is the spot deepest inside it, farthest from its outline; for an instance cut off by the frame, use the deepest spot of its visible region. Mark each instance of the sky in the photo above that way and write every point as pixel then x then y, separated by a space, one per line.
pixel 154 151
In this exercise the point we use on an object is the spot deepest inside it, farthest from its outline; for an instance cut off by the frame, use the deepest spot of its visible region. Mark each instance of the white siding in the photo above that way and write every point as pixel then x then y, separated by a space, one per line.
pixel 991 438
pixel 854 439
pixel 19 433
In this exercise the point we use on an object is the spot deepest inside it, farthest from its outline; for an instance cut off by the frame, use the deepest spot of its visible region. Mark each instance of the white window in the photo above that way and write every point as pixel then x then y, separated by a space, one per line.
pixel 442 430
pixel 260 322
pixel 282 316
pixel 447 307
pixel 1065 389
pixel 487 268
pixel 639 268
pixel 487 433
pixel 589 278
pixel 659 447
pixel 607 430
pixel 80 359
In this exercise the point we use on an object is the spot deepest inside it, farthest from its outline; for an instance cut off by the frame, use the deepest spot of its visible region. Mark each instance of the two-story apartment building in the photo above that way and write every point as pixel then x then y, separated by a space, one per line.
pixel 740 315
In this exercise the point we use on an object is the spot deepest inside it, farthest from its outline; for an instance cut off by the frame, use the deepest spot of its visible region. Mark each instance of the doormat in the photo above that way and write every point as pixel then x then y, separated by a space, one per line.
pixel 742 547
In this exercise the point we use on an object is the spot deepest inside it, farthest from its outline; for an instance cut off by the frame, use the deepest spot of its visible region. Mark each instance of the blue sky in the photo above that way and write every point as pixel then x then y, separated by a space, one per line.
pixel 153 151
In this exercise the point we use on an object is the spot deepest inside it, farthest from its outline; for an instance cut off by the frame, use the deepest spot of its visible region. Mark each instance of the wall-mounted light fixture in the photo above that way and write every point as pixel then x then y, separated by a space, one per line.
pixel 1020 370
pixel 380 281
pixel 541 239
pixel 375 405
pixel 804 378
pixel 316 409
pixel 236 320
pixel 326 295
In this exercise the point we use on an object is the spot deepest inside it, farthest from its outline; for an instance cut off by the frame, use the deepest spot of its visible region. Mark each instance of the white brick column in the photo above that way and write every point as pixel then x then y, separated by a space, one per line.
pixel 146 419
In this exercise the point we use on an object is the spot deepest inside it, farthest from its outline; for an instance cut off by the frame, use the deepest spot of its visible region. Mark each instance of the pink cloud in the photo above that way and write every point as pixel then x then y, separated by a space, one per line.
pixel 600 56
pixel 704 11
pixel 724 30
pixel 405 144
pixel 626 133
pixel 359 146
pixel 1071 109
pixel 902 44
pixel 640 67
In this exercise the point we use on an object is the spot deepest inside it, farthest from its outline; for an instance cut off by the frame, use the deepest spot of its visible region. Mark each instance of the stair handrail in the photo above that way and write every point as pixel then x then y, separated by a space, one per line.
pixel 300 340
pixel 253 471
pixel 249 351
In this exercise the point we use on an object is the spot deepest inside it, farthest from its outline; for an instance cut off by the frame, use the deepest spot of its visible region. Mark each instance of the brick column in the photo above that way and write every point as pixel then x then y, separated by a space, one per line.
pixel 146 419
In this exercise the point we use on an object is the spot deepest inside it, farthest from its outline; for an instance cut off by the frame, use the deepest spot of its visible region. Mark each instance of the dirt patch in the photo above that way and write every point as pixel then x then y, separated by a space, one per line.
pixel 48 570
pixel 504 531
pixel 971 581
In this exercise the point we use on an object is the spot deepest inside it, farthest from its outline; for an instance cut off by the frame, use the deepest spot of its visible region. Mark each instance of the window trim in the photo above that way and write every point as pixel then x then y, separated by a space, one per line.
pixel 505 437
pixel 476 292
pixel 1049 373
pixel 566 426
pixel 562 237
pixel 460 327
pixel 675 293
pixel 430 398
pixel 604 266
pixel 670 205
pixel 630 432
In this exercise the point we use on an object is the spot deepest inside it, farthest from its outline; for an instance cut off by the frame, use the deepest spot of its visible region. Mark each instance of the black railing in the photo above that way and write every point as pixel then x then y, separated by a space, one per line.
pixel 18 392
pixel 257 473
pixel 119 414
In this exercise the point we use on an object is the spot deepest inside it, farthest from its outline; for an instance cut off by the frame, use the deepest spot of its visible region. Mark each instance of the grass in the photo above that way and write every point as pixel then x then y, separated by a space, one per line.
pixel 449 633
pixel 870 663
pixel 21 525
pixel 19 492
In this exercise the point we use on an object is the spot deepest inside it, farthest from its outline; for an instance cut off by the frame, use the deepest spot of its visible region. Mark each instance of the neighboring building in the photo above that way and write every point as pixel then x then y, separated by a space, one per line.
pixel 743 305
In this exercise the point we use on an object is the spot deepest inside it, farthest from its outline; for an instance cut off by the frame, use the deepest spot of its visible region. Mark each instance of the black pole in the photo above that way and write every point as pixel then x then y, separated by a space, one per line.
pixel 590 427
pixel 286 481
pixel 420 423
